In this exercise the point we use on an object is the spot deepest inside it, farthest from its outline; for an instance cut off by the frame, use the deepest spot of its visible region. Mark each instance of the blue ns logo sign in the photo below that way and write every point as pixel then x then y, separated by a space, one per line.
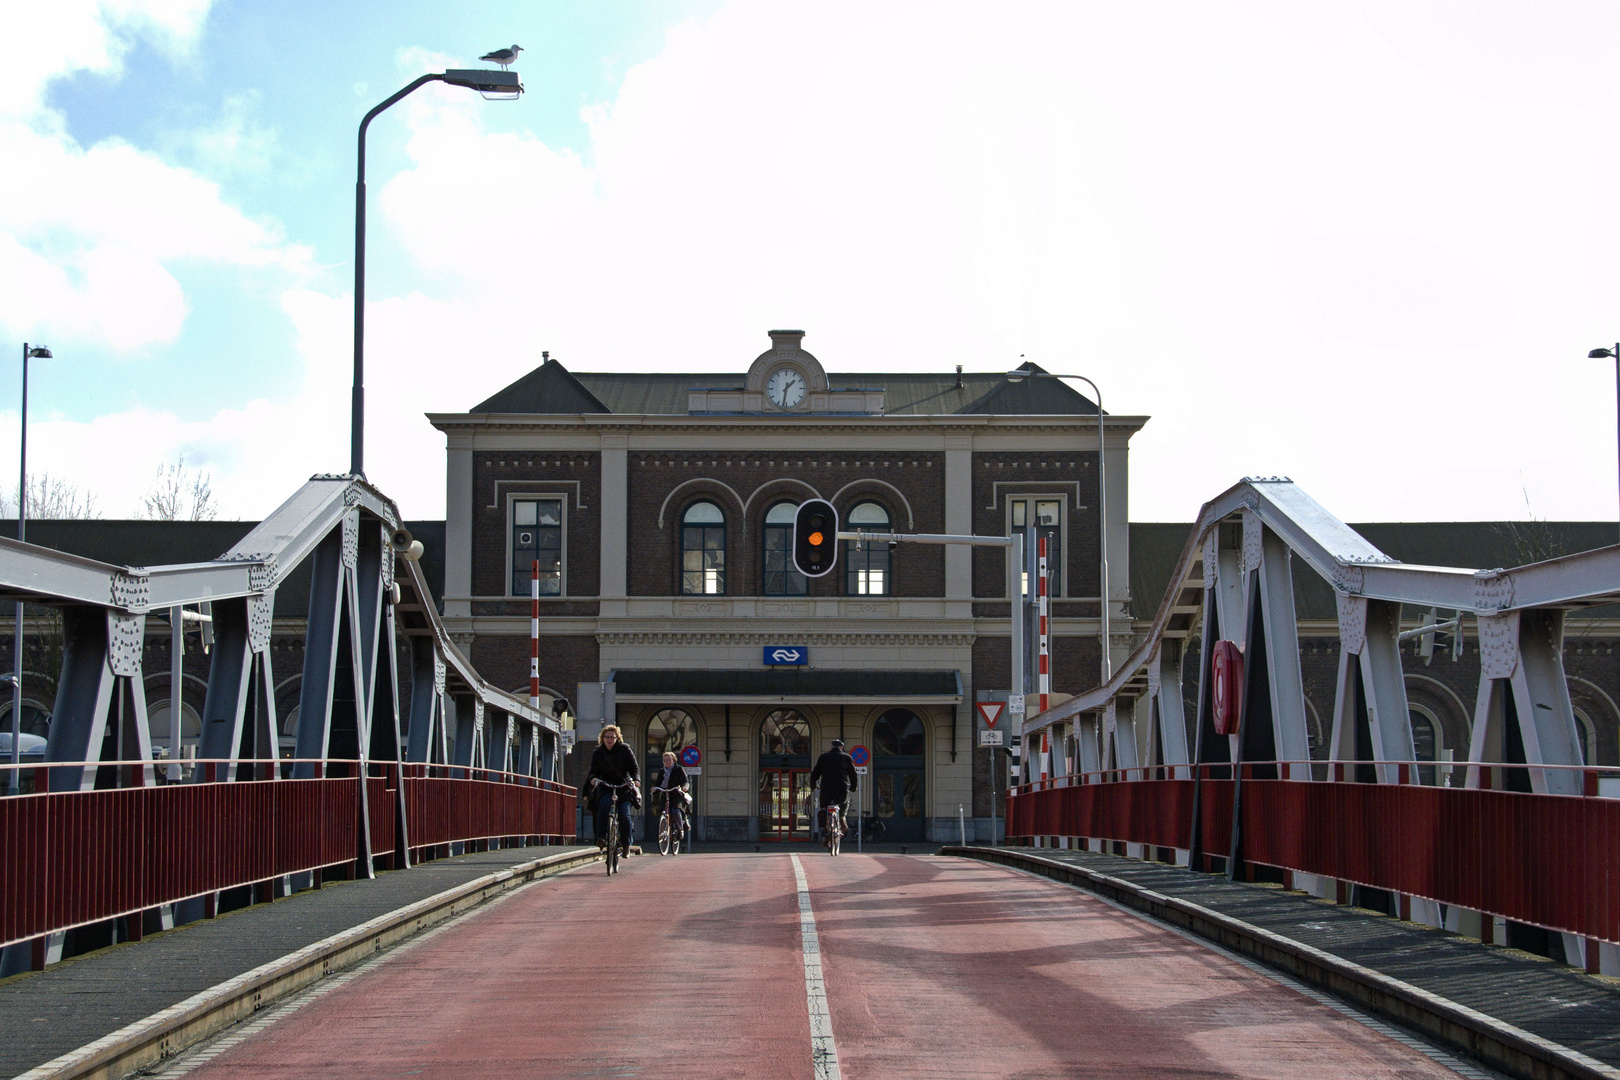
pixel 787 654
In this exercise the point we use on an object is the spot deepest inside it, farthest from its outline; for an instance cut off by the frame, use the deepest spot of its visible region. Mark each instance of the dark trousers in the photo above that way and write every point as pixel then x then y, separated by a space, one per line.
pixel 604 807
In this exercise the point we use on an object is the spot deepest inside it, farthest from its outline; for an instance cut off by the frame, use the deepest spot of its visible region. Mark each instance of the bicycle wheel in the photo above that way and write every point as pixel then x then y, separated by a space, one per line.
pixel 665 836
pixel 613 843
pixel 836 833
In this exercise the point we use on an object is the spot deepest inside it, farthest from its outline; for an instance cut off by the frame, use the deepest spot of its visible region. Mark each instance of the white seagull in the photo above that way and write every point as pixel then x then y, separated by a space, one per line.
pixel 503 57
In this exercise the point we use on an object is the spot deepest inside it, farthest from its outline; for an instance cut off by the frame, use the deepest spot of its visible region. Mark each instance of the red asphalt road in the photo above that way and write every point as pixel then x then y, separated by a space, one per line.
pixel 692 967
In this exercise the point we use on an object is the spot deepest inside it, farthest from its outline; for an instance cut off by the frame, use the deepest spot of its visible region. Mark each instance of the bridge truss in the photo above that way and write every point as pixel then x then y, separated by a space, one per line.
pixel 1525 839
pixel 107 832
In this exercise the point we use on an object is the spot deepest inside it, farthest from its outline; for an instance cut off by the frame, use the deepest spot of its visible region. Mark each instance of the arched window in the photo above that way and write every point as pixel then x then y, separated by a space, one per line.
pixel 784 734
pixel 36 716
pixel 867 562
pixel 1425 743
pixel 1588 736
pixel 157 724
pixel 669 730
pixel 703 550
pixel 781 579
pixel 898 733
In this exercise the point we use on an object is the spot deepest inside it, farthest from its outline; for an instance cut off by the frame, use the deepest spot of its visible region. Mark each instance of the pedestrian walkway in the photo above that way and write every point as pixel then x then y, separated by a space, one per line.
pixel 49 1013
pixel 1547 999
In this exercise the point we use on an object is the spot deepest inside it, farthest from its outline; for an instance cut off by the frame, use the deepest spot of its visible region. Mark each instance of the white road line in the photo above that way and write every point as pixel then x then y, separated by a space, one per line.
pixel 823 1051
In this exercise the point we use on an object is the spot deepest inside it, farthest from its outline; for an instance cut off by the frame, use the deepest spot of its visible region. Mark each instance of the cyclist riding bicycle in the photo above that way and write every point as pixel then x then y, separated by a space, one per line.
pixel 834 777
pixel 673 779
pixel 612 762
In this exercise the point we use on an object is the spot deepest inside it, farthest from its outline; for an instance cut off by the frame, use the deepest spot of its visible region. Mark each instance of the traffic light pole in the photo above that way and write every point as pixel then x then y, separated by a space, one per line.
pixel 1019 636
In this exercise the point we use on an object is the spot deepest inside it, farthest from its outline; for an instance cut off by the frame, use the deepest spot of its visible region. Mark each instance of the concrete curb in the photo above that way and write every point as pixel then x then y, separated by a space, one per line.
pixel 1495 1043
pixel 184 1024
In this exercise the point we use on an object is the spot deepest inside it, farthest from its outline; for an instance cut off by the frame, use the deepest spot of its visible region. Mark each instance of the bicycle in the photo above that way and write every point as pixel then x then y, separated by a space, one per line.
pixel 669 836
pixel 834 828
pixel 612 858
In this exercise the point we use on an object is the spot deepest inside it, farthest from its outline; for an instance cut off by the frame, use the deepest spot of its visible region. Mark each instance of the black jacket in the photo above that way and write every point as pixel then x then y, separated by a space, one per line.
pixel 613 766
pixel 835 773
pixel 677 776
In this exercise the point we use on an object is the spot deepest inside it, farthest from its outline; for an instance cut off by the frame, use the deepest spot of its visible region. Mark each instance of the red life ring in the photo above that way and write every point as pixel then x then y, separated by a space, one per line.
pixel 1226 687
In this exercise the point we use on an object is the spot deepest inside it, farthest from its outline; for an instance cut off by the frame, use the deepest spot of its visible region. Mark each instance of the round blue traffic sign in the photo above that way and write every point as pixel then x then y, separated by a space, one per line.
pixel 860 755
pixel 691 756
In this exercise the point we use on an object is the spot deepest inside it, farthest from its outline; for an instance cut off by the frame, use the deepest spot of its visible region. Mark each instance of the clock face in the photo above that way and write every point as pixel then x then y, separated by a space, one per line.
pixel 786 388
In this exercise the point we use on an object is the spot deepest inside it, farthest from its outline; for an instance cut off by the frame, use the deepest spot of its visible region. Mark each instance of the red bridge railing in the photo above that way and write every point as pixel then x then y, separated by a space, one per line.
pixel 69 859
pixel 1545 860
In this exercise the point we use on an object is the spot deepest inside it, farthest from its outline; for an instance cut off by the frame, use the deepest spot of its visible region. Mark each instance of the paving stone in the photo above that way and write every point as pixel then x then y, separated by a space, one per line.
pixel 1552 1000
pixel 47 1013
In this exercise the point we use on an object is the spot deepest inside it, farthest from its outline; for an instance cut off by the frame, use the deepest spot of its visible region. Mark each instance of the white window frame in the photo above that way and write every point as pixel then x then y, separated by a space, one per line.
pixel 1010 497
pixel 531 496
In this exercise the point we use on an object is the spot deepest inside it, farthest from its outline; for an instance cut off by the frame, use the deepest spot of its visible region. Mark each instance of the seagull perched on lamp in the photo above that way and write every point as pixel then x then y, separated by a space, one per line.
pixel 503 57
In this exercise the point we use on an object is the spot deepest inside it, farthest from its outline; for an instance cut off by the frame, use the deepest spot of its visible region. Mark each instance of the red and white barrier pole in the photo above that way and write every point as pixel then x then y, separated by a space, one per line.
pixel 534 637
pixel 1044 686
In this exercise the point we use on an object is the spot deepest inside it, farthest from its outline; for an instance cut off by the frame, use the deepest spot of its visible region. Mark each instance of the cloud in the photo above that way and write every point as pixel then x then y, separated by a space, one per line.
pixel 88 235
pixel 1306 242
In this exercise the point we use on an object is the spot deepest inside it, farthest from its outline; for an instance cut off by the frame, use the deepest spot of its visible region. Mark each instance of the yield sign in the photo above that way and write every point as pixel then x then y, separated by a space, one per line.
pixel 991 711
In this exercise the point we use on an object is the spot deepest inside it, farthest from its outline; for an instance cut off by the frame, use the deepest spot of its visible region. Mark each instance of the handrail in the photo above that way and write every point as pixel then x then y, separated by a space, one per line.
pixel 249 766
pixel 1209 769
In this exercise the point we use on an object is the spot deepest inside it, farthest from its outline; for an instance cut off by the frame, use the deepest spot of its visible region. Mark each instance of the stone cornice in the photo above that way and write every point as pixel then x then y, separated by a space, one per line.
pixel 777 422
pixel 824 640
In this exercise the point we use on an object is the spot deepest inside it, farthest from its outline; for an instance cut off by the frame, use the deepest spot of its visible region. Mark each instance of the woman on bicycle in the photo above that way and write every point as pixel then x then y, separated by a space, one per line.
pixel 612 762
pixel 672 778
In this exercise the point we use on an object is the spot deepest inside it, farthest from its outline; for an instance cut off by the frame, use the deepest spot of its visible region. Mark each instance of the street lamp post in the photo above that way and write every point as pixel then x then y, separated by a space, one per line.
pixel 1019 375
pixel 1602 354
pixel 14 782
pixel 502 85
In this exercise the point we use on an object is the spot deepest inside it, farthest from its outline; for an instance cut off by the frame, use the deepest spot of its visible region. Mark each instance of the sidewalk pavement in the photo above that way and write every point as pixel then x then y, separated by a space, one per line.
pixel 48 1013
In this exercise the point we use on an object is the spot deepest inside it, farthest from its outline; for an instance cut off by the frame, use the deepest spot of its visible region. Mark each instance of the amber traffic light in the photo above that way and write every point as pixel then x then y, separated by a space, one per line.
pixel 815 538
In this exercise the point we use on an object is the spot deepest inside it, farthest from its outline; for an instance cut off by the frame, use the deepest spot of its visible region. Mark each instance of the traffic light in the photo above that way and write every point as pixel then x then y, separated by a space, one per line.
pixel 815 538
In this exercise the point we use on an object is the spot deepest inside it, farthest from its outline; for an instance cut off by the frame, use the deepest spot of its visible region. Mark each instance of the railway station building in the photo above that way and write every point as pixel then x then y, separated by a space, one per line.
pixel 659 507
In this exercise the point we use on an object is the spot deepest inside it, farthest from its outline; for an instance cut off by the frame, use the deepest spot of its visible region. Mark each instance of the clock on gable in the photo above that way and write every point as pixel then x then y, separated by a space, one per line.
pixel 786 387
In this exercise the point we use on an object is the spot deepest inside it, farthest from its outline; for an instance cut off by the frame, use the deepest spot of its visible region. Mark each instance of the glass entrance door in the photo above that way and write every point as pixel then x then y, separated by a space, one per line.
pixel 898 742
pixel 782 811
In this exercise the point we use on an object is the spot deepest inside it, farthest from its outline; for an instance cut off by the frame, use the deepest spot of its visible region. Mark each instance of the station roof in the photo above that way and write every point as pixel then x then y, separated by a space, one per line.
pixel 552 389
pixel 786 684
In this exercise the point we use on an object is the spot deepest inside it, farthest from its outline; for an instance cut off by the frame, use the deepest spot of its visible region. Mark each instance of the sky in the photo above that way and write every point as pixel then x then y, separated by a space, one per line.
pixel 1363 245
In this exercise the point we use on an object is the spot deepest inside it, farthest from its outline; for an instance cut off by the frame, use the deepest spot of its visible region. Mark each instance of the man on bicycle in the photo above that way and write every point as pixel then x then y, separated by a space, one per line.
pixel 672 778
pixel 612 762
pixel 834 777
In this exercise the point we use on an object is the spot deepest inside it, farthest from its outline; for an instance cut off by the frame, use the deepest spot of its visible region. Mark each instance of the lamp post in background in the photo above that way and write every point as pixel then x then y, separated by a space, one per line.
pixel 1603 354
pixel 1019 375
pixel 13 782
pixel 495 85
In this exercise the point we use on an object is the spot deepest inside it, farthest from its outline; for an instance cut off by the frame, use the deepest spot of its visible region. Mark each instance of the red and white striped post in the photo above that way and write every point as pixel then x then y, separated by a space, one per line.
pixel 534 637
pixel 1044 685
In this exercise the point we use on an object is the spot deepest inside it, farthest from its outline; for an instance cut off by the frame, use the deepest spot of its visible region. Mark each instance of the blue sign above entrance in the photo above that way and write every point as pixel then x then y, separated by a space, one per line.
pixel 787 654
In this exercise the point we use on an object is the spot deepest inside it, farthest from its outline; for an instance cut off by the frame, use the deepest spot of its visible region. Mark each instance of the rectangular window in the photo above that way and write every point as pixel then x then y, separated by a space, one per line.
pixel 703 560
pixel 1047 517
pixel 537 536
pixel 781 579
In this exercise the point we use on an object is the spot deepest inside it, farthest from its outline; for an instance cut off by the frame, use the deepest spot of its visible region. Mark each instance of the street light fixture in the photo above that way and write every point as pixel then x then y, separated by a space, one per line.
pixel 1019 375
pixel 14 781
pixel 493 85
pixel 1604 354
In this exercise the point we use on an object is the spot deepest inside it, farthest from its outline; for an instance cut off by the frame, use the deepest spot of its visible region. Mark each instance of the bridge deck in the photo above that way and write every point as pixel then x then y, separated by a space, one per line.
pixel 46 1014
pixel 1556 1002
pixel 696 966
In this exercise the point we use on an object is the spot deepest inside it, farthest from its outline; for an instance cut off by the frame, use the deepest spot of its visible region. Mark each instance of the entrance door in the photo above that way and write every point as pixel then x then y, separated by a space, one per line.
pixel 784 776
pixel 898 796
pixel 782 811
